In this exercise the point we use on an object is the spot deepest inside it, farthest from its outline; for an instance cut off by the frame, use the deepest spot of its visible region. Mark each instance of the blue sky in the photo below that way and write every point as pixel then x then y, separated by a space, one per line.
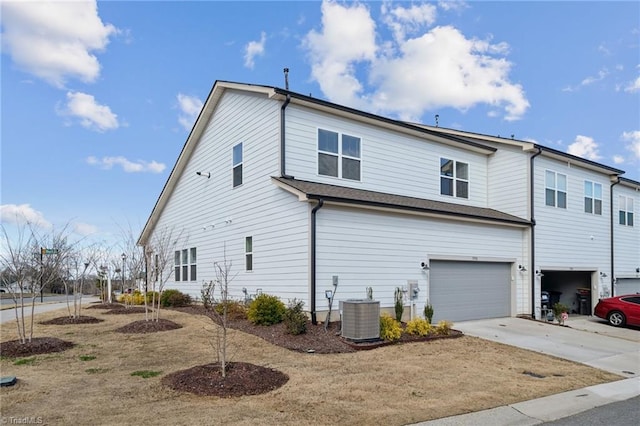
pixel 98 98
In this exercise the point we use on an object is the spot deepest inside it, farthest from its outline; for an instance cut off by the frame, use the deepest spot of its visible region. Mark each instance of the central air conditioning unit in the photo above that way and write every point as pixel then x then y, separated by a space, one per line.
pixel 360 319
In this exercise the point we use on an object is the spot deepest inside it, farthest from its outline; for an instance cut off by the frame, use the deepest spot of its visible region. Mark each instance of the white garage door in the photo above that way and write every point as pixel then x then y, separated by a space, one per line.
pixel 627 286
pixel 462 291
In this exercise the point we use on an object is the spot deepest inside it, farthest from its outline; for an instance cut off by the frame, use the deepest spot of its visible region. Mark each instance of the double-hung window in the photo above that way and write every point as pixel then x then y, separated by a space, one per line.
pixel 625 210
pixel 555 189
pixel 454 178
pixel 237 165
pixel 184 264
pixel 338 155
pixel 592 197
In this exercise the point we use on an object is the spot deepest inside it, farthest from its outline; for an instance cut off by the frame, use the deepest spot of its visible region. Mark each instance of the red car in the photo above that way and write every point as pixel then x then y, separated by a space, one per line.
pixel 620 310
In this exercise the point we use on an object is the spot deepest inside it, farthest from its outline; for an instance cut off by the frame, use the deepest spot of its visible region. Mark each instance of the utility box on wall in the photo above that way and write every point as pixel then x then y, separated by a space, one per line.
pixel 360 319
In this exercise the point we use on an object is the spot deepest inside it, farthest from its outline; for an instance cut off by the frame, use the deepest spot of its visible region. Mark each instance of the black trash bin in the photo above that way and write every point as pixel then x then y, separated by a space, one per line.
pixel 583 297
pixel 554 297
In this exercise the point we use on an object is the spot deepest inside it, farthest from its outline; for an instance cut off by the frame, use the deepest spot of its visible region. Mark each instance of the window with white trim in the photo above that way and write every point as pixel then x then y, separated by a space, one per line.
pixel 248 253
pixel 555 194
pixel 184 264
pixel 237 165
pixel 338 155
pixel 592 197
pixel 625 210
pixel 454 178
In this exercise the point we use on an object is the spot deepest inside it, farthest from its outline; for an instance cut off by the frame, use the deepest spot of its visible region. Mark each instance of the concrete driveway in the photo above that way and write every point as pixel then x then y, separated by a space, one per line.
pixel 585 340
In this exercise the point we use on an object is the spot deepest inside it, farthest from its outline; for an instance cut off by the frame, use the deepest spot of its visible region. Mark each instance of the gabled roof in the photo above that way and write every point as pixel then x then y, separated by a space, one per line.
pixel 306 190
pixel 218 89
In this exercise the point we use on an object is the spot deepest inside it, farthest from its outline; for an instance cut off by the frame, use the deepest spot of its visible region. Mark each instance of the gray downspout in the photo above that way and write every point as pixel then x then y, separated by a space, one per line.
pixel 282 139
pixel 612 253
pixel 533 233
pixel 318 206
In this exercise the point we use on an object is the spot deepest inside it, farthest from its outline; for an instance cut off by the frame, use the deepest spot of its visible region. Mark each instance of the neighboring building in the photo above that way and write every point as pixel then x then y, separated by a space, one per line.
pixel 298 193
pixel 626 237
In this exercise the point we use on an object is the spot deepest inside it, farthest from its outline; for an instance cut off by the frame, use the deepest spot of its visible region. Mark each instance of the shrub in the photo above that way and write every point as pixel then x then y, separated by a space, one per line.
pixel 151 297
pixel 295 320
pixel 443 328
pixel 389 328
pixel 428 312
pixel 135 298
pixel 174 298
pixel 399 307
pixel 266 310
pixel 418 327
pixel 558 309
pixel 235 310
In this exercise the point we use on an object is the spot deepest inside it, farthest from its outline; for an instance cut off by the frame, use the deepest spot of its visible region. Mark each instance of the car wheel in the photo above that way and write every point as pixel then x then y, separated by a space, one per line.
pixel 616 318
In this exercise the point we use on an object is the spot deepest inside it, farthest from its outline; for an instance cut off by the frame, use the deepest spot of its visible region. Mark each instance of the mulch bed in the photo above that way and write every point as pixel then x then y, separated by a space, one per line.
pixel 100 305
pixel 241 379
pixel 127 311
pixel 72 321
pixel 143 327
pixel 37 345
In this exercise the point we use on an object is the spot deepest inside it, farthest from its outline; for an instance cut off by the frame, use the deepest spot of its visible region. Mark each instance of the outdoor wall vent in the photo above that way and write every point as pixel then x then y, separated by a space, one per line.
pixel 360 319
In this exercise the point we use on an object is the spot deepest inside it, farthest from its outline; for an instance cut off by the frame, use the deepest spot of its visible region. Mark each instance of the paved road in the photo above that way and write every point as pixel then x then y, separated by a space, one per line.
pixel 45 299
pixel 8 315
pixel 621 413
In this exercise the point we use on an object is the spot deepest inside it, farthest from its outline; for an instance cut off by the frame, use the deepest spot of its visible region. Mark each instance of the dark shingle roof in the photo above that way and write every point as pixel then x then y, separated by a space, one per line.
pixel 314 190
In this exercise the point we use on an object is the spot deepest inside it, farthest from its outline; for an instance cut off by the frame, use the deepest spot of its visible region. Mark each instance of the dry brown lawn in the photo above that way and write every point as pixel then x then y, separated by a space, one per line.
pixel 392 385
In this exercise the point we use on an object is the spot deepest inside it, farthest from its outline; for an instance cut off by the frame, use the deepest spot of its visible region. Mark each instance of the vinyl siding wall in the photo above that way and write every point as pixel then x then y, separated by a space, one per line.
pixel 390 162
pixel 274 218
pixel 626 238
pixel 570 238
pixel 382 250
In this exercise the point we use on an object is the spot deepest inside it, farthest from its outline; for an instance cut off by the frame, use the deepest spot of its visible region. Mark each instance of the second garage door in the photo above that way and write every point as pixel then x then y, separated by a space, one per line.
pixel 627 286
pixel 461 291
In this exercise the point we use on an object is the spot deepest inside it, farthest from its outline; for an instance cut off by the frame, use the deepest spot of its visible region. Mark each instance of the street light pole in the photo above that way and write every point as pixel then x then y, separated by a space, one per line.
pixel 124 257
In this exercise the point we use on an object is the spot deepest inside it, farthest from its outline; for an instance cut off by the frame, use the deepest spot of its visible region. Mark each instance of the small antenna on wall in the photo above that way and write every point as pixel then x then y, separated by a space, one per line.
pixel 286 78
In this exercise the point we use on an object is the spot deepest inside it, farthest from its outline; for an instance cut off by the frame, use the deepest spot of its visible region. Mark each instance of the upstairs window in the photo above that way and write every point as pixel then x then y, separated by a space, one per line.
pixel 248 253
pixel 555 189
pixel 237 165
pixel 625 210
pixel 592 197
pixel 184 264
pixel 454 178
pixel 338 155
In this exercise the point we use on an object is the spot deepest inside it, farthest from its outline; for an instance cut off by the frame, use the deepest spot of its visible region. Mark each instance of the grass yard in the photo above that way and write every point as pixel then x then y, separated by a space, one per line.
pixel 111 378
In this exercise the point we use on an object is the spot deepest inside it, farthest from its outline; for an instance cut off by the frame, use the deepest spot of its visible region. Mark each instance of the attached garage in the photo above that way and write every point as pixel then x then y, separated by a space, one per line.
pixel 627 286
pixel 461 291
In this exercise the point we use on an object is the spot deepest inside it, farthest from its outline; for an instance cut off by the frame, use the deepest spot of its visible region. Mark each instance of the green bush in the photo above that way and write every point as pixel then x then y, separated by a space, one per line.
pixel 398 306
pixel 428 312
pixel 389 328
pixel 235 310
pixel 174 298
pixel 266 310
pixel 295 320
pixel 418 327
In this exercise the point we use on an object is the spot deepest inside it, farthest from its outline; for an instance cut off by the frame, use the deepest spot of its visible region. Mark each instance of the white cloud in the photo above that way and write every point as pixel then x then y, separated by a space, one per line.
pixel 55 40
pixel 633 86
pixel 84 229
pixel 434 68
pixel 190 107
pixel 633 139
pixel 584 147
pixel 602 74
pixel 618 159
pixel 253 49
pixel 23 214
pixel 91 114
pixel 128 166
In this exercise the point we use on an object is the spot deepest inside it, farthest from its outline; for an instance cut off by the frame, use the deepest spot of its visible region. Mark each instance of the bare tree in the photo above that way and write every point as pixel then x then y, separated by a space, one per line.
pixel 220 309
pixel 160 252
pixel 133 258
pixel 34 261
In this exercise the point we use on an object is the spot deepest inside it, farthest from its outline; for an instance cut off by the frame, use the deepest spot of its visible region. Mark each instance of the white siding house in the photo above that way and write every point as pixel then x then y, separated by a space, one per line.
pixel 303 196
pixel 626 236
